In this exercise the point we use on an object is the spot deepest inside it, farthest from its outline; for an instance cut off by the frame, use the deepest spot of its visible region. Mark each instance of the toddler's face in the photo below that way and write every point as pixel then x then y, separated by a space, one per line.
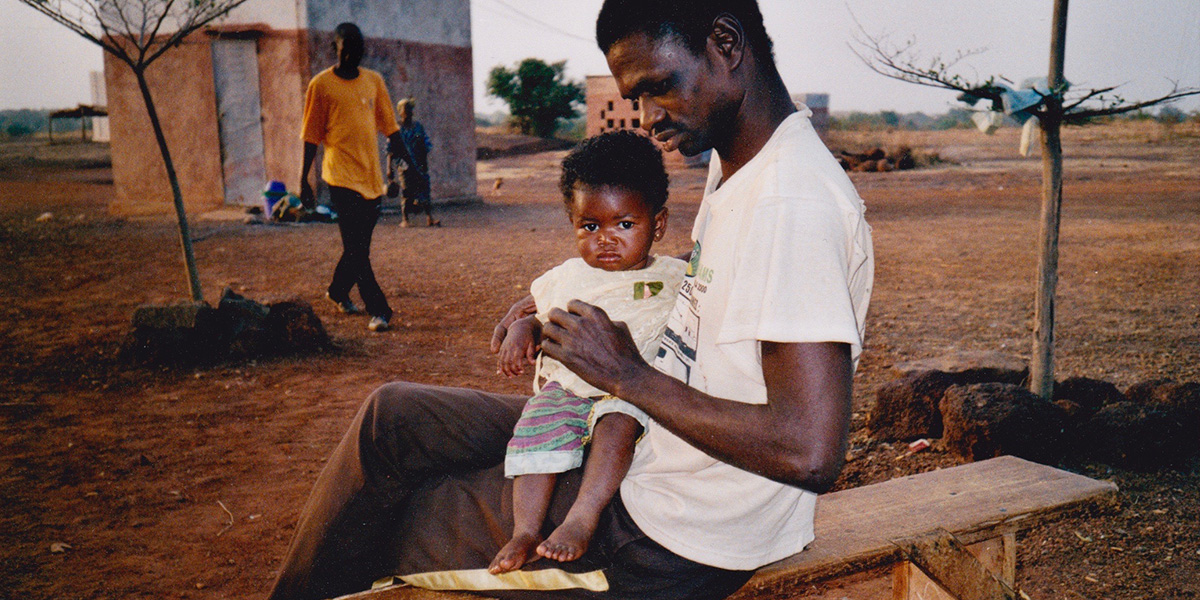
pixel 614 228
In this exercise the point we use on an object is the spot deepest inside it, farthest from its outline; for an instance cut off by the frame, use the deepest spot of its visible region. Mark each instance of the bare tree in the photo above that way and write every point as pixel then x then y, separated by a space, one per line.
pixel 137 32
pixel 1056 105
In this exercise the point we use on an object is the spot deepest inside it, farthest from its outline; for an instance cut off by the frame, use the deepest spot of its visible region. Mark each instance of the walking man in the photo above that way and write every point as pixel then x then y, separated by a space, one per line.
pixel 344 108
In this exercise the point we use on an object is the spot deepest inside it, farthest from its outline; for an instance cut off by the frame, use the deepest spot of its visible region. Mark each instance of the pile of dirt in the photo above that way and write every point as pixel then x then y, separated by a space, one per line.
pixel 492 142
pixel 878 160
pixel 238 329
pixel 983 410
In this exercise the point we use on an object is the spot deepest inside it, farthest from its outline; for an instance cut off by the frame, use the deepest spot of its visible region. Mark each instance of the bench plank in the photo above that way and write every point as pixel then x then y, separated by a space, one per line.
pixel 855 527
pixel 975 501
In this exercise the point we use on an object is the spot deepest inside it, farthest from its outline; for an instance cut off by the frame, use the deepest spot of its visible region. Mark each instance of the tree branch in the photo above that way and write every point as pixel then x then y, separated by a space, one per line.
pixel 901 63
pixel 1079 117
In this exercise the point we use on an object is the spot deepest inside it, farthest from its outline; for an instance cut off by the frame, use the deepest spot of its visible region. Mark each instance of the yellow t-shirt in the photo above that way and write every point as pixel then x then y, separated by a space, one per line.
pixel 344 116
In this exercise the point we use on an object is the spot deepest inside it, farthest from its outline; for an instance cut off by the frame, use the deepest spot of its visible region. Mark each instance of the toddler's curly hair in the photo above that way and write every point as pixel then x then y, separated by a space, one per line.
pixel 621 158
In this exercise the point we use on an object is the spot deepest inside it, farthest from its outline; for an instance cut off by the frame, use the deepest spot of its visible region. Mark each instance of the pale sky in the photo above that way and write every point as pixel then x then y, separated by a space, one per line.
pixel 1138 44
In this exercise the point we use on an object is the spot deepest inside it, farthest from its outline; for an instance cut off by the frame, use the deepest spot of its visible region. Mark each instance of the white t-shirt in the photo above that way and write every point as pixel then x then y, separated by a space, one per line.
pixel 781 253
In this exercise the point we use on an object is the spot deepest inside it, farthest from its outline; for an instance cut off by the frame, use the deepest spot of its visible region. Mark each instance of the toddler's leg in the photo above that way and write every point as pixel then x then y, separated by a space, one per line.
pixel 531 498
pixel 606 465
pixel 432 222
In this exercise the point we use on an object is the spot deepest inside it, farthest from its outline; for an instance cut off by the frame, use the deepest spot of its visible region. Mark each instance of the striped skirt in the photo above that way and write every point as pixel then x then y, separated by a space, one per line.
pixel 551 433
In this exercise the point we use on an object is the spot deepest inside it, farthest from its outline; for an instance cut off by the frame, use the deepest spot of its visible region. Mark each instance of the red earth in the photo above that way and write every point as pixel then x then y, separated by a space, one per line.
pixel 122 482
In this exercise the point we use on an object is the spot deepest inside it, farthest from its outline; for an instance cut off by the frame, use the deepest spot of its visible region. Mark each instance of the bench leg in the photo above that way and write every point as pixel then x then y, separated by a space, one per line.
pixel 982 571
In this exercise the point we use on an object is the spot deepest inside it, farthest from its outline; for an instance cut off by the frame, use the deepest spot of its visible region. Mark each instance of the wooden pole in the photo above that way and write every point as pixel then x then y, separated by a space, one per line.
pixel 1041 367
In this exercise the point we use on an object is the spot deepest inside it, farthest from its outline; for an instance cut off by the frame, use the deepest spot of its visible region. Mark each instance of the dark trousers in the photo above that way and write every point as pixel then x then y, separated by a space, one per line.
pixel 357 217
pixel 417 485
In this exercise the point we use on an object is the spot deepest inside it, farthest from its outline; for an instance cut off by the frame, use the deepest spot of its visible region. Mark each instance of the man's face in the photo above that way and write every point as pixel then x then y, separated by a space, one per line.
pixel 349 52
pixel 680 93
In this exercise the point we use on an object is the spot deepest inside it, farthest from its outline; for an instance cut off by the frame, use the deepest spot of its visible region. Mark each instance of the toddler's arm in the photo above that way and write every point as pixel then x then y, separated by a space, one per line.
pixel 522 308
pixel 520 346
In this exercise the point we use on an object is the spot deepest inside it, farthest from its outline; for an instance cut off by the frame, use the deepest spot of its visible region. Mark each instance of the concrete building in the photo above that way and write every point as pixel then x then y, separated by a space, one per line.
pixel 819 105
pixel 100 131
pixel 231 98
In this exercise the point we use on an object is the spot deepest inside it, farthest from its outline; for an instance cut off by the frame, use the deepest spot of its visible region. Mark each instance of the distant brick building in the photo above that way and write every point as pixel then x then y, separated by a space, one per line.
pixel 231 98
pixel 606 109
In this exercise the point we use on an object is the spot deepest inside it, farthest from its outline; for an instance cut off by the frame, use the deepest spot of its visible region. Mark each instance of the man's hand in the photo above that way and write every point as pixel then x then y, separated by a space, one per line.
pixel 523 308
pixel 307 198
pixel 601 352
pixel 520 346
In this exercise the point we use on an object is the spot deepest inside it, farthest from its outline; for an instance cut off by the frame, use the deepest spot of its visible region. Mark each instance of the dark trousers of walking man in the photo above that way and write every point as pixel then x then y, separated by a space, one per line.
pixel 357 217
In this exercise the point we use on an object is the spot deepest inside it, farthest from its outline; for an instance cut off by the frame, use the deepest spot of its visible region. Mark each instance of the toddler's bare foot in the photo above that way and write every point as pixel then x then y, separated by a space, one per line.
pixel 514 554
pixel 569 540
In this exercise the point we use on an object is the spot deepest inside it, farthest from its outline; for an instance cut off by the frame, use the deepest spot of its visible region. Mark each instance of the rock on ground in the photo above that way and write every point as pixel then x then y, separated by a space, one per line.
pixel 1142 437
pixel 1090 395
pixel 986 420
pixel 907 408
pixel 195 333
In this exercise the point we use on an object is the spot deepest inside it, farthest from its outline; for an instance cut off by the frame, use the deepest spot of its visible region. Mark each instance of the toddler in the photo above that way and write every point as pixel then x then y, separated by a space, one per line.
pixel 615 189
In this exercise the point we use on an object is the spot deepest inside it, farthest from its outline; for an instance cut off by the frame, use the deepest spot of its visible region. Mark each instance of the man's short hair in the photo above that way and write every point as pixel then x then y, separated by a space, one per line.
pixel 622 159
pixel 349 32
pixel 690 20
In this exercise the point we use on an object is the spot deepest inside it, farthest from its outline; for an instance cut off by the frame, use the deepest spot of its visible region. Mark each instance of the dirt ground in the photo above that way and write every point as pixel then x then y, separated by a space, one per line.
pixel 186 483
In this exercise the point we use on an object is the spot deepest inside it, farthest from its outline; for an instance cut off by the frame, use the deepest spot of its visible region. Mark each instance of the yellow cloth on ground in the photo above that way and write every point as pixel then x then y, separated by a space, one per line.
pixel 344 116
pixel 480 580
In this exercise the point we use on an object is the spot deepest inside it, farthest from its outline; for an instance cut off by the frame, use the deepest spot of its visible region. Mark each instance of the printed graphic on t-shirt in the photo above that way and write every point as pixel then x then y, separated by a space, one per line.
pixel 677 351
pixel 646 289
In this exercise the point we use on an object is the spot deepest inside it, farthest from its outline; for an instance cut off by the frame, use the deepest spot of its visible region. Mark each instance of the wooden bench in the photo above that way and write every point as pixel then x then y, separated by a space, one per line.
pixel 917 526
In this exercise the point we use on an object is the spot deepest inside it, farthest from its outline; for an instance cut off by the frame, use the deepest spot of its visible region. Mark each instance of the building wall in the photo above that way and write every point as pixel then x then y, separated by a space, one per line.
pixel 283 76
pixel 818 103
pixel 440 22
pixel 181 84
pixel 100 132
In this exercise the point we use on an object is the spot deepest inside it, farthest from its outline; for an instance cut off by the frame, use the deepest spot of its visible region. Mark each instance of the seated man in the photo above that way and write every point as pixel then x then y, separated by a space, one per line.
pixel 750 393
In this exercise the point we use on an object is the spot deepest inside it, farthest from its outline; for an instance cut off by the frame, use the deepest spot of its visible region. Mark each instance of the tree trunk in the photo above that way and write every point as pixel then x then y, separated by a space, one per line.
pixel 1041 367
pixel 185 236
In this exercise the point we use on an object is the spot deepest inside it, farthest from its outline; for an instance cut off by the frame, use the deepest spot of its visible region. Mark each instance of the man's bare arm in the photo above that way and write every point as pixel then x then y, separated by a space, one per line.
pixel 798 437
pixel 306 191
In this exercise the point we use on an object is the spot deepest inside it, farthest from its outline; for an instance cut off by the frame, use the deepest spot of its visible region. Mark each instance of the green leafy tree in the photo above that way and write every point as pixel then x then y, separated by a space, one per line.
pixel 538 95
